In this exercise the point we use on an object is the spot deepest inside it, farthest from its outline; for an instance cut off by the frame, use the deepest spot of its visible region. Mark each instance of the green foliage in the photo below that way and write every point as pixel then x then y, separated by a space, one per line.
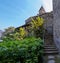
pixel 36 23
pixel 22 33
pixel 9 30
pixel 24 51
pixel 16 36
pixel 11 34
pixel 19 35
pixel 8 33
pixel 36 27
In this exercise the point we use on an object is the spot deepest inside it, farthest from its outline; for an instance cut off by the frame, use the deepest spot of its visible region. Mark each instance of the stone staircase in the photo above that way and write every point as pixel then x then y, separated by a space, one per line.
pixel 49 46
pixel 50 54
pixel 50 50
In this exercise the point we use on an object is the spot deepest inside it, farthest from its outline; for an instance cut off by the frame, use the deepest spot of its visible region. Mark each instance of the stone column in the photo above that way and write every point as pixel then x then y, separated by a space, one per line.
pixel 56 22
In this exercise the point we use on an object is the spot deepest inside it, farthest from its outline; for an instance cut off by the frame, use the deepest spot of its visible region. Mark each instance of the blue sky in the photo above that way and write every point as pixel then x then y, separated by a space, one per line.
pixel 15 12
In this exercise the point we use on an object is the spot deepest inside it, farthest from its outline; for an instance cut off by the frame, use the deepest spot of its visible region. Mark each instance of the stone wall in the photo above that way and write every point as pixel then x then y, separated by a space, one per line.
pixel 48 21
pixel 56 25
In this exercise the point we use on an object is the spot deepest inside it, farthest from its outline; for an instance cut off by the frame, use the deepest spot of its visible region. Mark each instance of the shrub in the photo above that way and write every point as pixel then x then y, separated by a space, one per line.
pixel 22 32
pixel 23 51
pixel 16 35
pixel 36 27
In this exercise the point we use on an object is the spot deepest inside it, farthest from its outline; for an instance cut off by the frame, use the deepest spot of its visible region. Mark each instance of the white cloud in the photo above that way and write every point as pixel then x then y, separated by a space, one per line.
pixel 48 5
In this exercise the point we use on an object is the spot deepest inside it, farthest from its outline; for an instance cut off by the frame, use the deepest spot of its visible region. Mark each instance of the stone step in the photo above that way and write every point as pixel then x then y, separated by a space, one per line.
pixel 50 48
pixel 49 45
pixel 50 52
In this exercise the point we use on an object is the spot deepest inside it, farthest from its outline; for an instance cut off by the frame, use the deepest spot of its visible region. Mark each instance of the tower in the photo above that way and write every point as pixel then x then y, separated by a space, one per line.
pixel 41 10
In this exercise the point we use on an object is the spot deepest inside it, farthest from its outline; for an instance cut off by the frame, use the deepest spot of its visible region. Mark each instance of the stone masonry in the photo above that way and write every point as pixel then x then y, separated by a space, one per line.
pixel 56 22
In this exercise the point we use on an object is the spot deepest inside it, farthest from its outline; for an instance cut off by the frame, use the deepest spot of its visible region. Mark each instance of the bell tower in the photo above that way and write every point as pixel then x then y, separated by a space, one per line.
pixel 41 10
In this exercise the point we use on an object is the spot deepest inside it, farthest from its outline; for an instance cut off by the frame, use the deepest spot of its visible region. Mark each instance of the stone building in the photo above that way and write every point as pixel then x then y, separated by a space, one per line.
pixel 48 24
pixel 41 11
pixel 48 19
pixel 56 22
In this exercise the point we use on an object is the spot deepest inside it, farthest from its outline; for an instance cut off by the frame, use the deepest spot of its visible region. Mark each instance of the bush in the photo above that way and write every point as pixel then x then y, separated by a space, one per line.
pixel 23 51
pixel 35 27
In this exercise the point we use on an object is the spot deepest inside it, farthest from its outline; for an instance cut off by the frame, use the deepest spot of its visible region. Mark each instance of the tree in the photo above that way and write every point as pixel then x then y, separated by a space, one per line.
pixel 22 32
pixel 16 36
pixel 36 23
pixel 8 34
pixel 9 30
pixel 37 26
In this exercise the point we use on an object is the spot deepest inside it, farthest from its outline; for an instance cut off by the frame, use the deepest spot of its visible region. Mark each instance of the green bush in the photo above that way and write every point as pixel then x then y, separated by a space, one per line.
pixel 35 27
pixel 23 51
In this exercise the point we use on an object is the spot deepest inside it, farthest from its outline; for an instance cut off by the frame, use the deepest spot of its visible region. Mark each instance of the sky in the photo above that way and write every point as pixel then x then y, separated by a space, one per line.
pixel 15 12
